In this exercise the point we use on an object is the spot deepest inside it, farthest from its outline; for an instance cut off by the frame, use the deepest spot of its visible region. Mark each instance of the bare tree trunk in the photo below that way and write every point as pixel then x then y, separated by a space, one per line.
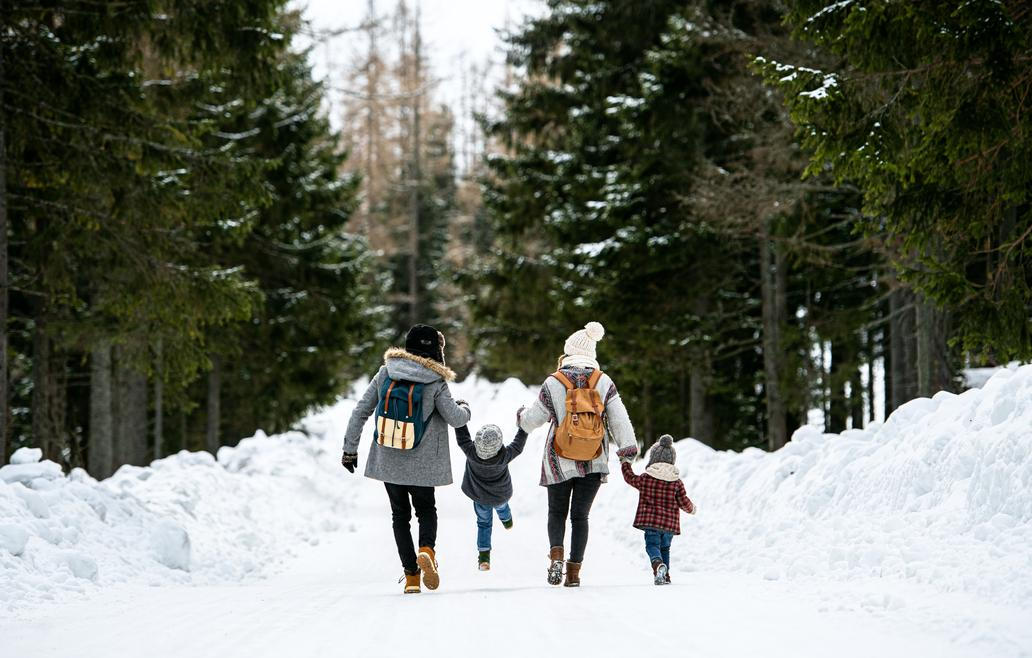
pixel 871 352
pixel 417 175
pixel 836 420
pixel 896 368
pixel 925 357
pixel 4 411
pixel 932 352
pixel 46 432
pixel 699 375
pixel 682 400
pixel 701 413
pixel 100 449
pixel 136 417
pixel 159 401
pixel 910 356
pixel 856 398
pixel 129 411
pixel 119 394
pixel 214 418
pixel 372 121
pixel 773 358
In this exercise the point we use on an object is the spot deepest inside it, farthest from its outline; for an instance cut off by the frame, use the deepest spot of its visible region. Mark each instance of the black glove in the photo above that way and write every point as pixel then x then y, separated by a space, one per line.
pixel 349 461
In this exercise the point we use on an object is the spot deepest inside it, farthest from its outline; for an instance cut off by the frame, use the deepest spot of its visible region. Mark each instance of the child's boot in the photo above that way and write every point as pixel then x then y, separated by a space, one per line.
pixel 507 523
pixel 555 569
pixel 427 562
pixel 572 574
pixel 411 582
pixel 659 572
pixel 485 560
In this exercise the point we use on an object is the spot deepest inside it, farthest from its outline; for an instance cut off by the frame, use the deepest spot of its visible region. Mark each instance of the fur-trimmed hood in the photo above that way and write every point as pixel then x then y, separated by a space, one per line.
pixel 664 471
pixel 398 366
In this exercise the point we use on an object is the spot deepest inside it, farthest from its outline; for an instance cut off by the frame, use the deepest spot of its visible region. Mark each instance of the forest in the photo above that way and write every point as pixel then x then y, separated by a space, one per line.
pixel 784 212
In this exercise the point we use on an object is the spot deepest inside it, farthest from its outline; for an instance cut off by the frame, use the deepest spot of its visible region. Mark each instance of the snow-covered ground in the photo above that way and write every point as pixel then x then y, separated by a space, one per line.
pixel 907 539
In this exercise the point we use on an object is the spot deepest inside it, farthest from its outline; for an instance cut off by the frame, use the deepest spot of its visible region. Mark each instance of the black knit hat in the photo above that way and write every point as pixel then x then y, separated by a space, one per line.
pixel 424 340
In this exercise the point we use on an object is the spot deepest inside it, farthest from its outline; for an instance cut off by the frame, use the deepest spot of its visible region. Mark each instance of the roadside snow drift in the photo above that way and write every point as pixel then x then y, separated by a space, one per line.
pixel 939 496
pixel 184 519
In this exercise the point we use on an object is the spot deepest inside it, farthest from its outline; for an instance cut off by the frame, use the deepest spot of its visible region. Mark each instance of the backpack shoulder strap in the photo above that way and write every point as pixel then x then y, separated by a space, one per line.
pixel 564 380
pixel 593 380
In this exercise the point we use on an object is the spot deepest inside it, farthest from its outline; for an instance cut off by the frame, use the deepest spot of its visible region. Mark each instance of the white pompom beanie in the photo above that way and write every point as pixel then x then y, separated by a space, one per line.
pixel 582 342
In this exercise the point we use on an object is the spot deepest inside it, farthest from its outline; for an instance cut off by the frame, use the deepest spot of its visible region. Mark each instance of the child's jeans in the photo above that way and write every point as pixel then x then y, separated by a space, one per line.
pixel 657 545
pixel 485 519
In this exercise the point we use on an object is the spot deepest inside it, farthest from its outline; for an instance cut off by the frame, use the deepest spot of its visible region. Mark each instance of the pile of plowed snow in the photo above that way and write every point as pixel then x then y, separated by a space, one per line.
pixel 184 519
pixel 941 494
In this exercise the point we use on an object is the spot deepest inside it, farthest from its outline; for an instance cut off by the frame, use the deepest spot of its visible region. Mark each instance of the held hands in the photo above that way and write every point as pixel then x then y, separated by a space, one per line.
pixel 349 461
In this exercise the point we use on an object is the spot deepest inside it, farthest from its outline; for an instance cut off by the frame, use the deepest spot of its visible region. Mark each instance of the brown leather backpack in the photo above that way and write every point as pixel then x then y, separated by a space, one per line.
pixel 580 435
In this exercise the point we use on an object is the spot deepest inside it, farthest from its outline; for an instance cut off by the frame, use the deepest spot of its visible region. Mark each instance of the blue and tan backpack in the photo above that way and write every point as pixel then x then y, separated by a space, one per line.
pixel 399 415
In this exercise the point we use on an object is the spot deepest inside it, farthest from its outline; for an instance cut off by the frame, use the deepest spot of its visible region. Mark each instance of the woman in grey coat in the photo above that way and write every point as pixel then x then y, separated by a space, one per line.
pixel 411 475
pixel 571 484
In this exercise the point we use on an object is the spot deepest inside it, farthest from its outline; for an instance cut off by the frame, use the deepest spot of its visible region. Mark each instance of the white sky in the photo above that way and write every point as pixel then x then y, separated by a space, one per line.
pixel 452 29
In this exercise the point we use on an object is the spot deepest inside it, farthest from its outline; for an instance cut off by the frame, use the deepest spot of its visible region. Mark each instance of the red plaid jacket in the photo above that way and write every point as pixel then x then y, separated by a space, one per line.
pixel 659 502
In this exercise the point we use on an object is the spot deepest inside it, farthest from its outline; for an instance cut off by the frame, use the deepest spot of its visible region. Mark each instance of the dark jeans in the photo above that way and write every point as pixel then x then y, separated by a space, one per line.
pixel 572 498
pixel 401 513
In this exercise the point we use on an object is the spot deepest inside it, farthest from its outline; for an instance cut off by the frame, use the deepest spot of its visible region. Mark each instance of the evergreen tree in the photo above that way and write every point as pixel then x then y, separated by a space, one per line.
pixel 649 180
pixel 317 327
pixel 926 110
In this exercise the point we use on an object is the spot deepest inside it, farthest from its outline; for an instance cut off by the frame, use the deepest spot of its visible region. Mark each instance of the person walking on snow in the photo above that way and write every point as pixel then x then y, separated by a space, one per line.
pixel 585 415
pixel 487 482
pixel 661 497
pixel 410 463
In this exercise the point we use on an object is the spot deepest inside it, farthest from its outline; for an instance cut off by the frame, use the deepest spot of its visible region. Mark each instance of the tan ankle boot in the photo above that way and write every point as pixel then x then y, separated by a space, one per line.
pixel 572 574
pixel 412 582
pixel 555 568
pixel 427 561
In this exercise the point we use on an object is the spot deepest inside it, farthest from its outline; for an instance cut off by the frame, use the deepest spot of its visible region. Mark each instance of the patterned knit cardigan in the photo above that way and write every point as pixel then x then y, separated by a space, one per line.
pixel 550 407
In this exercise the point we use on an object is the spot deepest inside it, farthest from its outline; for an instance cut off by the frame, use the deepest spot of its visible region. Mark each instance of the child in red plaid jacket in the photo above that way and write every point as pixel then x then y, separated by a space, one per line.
pixel 661 498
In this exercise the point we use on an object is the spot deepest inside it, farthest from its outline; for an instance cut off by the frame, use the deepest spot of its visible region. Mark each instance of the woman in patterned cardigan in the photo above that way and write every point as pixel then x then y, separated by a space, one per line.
pixel 572 485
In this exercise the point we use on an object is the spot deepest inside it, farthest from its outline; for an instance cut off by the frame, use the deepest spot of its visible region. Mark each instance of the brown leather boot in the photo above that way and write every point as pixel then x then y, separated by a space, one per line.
pixel 555 569
pixel 412 582
pixel 427 561
pixel 572 574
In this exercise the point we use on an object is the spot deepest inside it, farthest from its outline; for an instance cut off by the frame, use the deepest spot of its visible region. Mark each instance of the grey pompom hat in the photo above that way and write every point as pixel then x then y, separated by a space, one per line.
pixel 663 451
pixel 488 441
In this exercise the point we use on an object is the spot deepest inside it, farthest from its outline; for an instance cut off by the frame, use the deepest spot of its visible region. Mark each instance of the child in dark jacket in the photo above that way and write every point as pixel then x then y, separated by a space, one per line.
pixel 661 497
pixel 487 481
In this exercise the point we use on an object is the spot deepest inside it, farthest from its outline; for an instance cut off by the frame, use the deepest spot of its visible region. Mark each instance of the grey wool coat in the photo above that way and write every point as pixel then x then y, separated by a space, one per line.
pixel 487 481
pixel 429 463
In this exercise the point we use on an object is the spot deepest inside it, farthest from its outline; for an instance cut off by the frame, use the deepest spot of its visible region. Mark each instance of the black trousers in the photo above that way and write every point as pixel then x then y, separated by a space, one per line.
pixel 422 499
pixel 572 498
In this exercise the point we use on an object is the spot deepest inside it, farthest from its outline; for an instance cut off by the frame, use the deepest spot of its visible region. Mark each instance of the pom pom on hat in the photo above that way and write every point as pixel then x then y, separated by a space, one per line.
pixel 595 331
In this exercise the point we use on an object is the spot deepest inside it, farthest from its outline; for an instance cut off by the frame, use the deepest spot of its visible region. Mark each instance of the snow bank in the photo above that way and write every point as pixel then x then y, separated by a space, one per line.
pixel 188 518
pixel 940 494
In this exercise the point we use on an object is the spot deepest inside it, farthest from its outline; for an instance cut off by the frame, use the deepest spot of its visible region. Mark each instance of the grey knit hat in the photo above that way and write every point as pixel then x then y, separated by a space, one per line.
pixel 663 451
pixel 488 441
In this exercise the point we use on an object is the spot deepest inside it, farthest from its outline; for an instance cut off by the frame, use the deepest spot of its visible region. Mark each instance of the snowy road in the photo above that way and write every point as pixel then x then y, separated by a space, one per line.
pixel 910 541
pixel 341 598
